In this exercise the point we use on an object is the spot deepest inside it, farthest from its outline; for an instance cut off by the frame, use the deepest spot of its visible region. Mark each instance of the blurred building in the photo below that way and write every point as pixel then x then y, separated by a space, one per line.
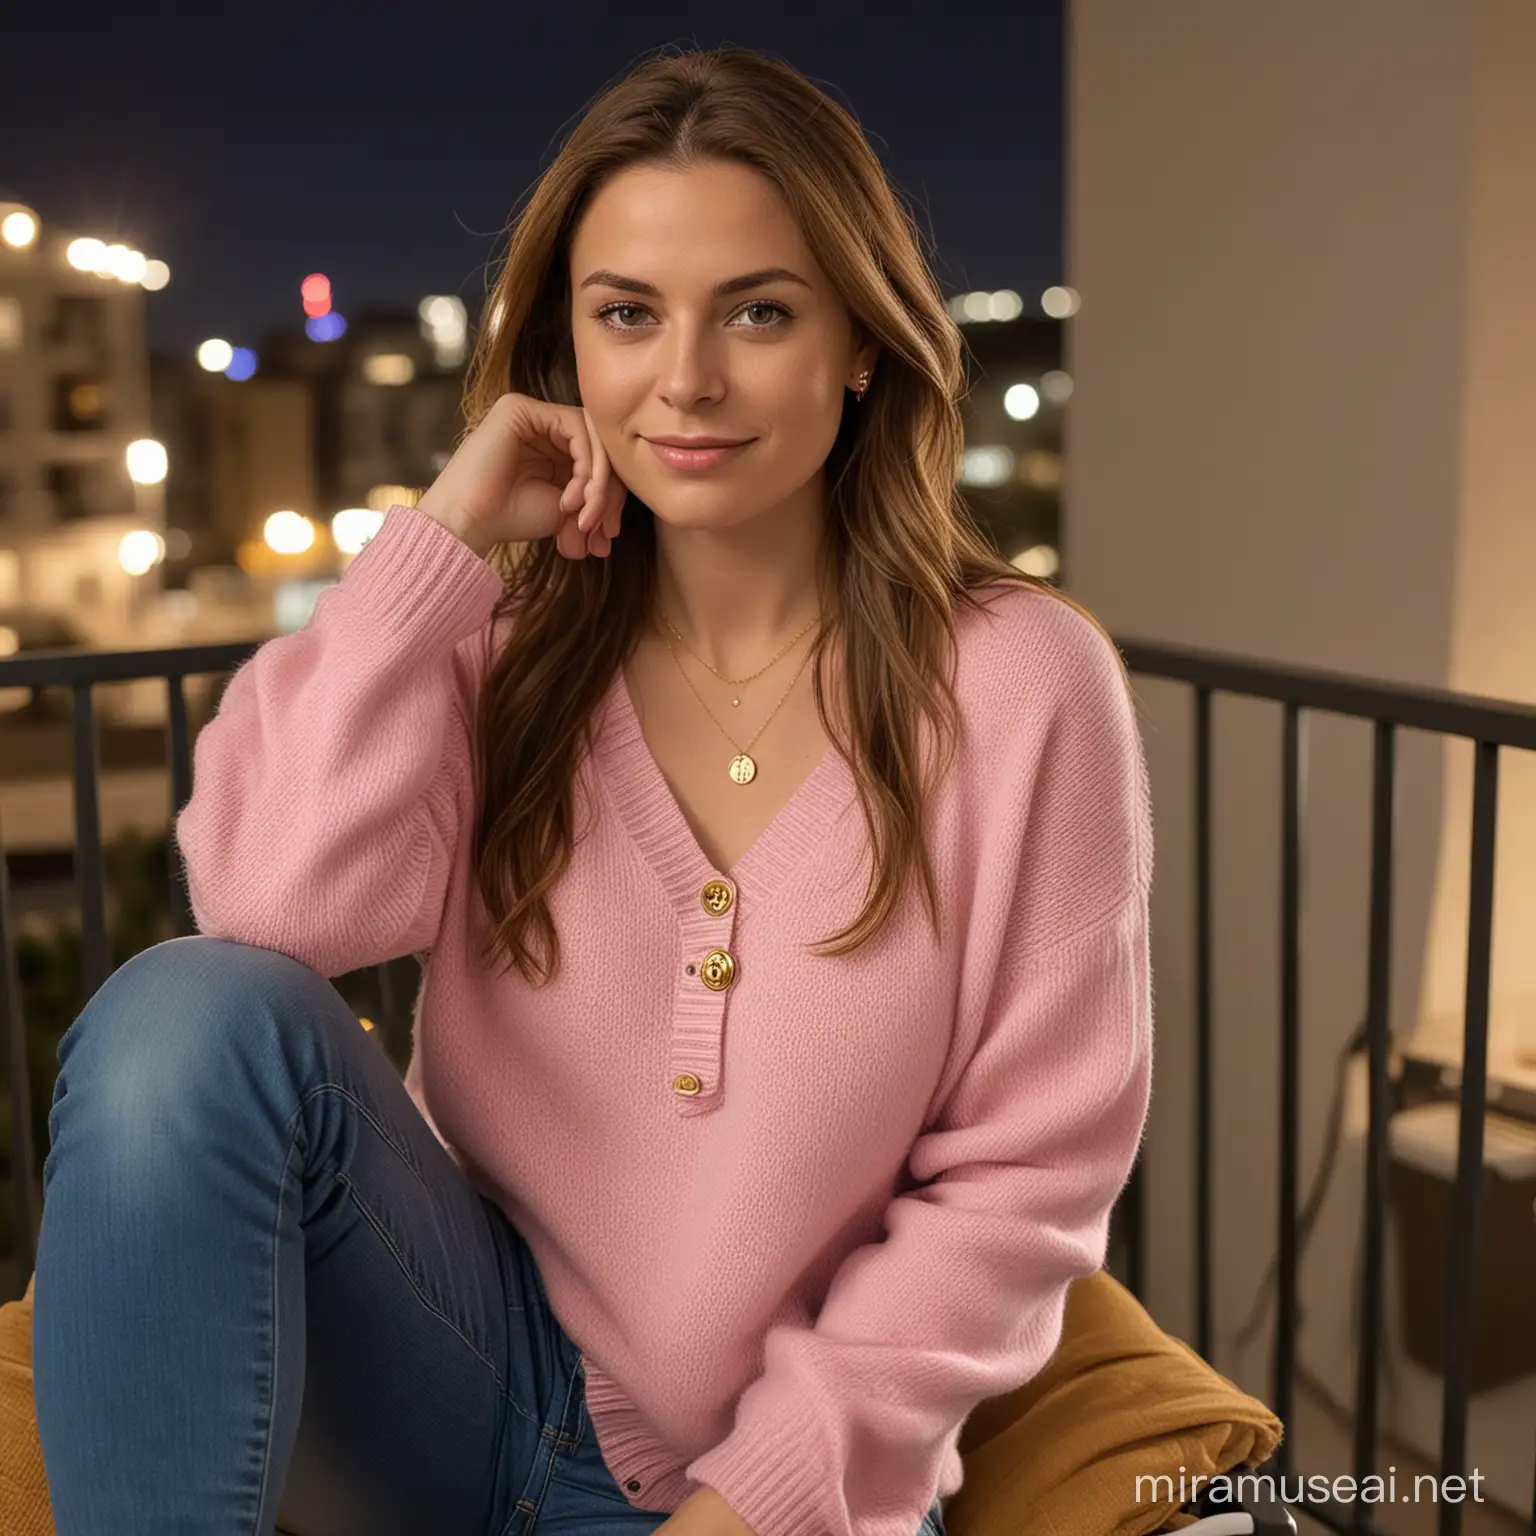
pixel 74 395
pixel 242 451
pixel 332 420
pixel 1013 412
pixel 386 397
pixel 278 455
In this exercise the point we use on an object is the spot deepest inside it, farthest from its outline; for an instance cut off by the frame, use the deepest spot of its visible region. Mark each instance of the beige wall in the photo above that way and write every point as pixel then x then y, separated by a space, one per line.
pixel 1493 648
pixel 1301 430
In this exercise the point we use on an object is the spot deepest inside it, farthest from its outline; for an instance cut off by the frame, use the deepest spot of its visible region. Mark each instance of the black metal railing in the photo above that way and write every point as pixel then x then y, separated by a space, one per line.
pixel 1490 724
pixel 81 671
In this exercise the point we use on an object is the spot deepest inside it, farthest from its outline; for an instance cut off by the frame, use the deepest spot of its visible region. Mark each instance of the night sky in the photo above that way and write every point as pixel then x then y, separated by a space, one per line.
pixel 386 146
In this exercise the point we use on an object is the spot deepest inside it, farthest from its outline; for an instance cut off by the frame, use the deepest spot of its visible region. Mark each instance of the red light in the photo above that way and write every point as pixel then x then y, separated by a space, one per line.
pixel 317 306
pixel 315 287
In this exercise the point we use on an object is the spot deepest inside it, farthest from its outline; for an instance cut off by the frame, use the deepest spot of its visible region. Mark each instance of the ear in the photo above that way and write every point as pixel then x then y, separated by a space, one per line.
pixel 865 350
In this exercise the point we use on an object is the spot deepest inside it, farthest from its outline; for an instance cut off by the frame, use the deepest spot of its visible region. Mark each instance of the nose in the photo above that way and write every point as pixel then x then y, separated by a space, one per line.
pixel 691 370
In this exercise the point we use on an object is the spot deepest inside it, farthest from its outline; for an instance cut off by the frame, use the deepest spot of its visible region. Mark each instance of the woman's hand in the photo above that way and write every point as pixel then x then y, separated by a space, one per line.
pixel 704 1513
pixel 529 470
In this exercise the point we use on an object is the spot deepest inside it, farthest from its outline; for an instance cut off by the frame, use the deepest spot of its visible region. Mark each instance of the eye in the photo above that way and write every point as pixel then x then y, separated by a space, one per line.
pixel 620 308
pixel 775 312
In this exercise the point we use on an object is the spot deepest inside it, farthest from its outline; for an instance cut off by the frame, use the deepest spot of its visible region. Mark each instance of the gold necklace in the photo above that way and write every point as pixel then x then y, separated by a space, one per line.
pixel 730 682
pixel 743 769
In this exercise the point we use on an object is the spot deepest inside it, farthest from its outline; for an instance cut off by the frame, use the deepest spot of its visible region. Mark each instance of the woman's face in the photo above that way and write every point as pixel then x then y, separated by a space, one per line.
pixel 698 311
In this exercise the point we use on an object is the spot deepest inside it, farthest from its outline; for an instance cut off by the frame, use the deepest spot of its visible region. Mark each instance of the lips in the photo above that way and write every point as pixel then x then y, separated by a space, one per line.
pixel 696 452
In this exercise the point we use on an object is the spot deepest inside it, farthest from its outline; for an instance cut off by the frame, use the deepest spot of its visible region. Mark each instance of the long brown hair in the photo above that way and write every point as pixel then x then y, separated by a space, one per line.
pixel 901 550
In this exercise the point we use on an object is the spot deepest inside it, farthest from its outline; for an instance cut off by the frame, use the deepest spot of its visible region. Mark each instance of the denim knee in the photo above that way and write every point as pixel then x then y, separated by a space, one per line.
pixel 176 1033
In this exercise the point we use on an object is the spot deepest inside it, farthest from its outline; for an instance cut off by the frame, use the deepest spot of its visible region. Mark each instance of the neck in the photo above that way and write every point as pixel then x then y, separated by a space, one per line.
pixel 737 594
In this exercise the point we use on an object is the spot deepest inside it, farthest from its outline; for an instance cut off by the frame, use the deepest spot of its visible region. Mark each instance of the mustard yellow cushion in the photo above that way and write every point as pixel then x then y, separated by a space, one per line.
pixel 24 1507
pixel 1120 1399
pixel 1058 1457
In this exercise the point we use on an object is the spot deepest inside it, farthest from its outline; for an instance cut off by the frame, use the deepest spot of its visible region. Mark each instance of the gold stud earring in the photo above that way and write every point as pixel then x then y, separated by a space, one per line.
pixel 862 385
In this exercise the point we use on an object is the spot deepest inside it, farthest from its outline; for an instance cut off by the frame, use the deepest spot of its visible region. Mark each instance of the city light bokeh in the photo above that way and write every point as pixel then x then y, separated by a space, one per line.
pixel 1060 303
pixel 18 229
pixel 147 461
pixel 288 533
pixel 352 528
pixel 119 261
pixel 140 551
pixel 327 327
pixel 1022 401
pixel 315 290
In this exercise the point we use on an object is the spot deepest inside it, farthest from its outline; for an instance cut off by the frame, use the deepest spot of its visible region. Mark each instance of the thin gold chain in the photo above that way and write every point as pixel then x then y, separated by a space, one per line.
pixel 741 750
pixel 733 682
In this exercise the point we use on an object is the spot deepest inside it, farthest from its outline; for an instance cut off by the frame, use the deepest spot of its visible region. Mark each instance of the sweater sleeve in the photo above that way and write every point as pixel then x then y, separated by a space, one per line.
pixel 330 787
pixel 1040 1116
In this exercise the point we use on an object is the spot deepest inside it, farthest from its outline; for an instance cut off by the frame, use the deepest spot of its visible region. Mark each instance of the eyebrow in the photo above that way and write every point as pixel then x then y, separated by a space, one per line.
pixel 605 279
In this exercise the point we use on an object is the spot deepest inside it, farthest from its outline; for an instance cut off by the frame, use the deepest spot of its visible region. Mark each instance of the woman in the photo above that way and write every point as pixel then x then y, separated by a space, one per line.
pixel 780 873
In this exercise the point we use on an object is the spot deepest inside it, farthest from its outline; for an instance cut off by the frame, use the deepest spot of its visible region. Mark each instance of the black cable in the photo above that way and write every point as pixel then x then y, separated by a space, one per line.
pixel 1357 1040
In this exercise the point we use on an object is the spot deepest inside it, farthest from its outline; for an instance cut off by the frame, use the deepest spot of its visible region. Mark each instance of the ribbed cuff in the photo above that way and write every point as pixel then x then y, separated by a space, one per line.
pixel 414 578
pixel 777 1485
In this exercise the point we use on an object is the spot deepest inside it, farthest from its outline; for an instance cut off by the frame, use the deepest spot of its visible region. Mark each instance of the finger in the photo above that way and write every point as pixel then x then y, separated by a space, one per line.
pixel 561 428
pixel 617 493
pixel 567 425
pixel 571 541
pixel 599 543
pixel 597 488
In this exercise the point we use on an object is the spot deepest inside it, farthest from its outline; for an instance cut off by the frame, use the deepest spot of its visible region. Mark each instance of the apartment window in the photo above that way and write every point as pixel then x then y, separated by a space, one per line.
pixel 79 490
pixel 79 403
pixel 77 320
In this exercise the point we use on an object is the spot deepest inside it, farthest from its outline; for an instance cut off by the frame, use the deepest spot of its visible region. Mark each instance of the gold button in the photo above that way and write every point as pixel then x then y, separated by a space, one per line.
pixel 716 898
pixel 686 1082
pixel 718 970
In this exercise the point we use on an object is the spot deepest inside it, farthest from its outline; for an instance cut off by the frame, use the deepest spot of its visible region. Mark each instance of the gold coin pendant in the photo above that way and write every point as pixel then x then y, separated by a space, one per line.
pixel 743 769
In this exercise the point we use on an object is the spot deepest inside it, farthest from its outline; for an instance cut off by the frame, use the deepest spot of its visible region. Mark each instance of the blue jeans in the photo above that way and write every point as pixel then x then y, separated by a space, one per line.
pixel 267 1298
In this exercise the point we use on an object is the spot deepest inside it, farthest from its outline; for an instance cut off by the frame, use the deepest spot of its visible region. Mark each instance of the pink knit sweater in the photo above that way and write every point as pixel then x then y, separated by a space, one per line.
pixel 798 1227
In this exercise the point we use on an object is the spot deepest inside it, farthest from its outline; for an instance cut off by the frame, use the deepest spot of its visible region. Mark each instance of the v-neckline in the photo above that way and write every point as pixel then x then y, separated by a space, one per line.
pixel 662 831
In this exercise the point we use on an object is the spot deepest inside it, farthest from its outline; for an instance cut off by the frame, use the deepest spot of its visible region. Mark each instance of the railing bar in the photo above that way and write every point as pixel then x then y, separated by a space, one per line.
pixel 179 753
pixel 1378 1029
pixel 1293 769
pixel 1461 1279
pixel 44 669
pixel 1442 711
pixel 1134 1204
pixel 90 878
pixel 1439 710
pixel 388 1025
pixel 13 1025
pixel 1204 1084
